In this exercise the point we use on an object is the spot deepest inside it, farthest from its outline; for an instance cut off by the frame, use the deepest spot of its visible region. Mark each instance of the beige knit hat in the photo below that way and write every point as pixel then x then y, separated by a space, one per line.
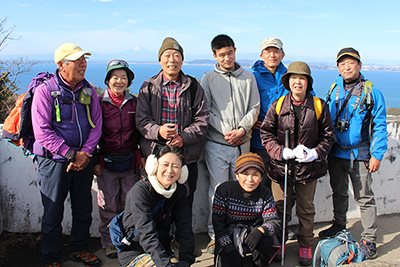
pixel 170 43
pixel 249 160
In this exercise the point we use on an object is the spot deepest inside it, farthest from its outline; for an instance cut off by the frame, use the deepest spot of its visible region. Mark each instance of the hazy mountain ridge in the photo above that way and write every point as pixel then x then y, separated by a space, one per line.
pixel 138 54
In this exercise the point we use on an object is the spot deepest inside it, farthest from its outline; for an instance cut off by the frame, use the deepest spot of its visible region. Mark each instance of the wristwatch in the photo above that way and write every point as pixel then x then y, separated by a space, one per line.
pixel 72 156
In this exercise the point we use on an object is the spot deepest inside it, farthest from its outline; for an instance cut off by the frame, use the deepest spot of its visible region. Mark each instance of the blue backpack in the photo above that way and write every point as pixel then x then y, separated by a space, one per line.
pixel 118 237
pixel 342 249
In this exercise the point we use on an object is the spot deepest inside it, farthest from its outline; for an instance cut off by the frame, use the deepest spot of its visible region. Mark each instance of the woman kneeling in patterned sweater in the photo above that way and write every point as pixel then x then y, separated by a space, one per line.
pixel 245 204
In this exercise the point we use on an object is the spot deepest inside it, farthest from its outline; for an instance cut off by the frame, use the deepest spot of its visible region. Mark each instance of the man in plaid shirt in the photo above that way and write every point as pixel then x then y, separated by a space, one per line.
pixel 172 110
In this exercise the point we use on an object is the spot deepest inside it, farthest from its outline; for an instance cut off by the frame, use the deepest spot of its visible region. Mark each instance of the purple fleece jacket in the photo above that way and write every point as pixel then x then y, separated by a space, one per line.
pixel 51 134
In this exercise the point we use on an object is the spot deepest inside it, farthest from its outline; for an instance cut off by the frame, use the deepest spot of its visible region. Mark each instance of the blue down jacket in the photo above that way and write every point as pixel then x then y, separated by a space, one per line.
pixel 270 88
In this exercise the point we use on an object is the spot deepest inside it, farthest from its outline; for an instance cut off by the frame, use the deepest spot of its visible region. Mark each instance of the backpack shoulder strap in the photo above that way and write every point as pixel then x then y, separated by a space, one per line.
pixel 328 97
pixel 279 105
pixel 158 206
pixel 368 92
pixel 317 107
pixel 368 86
pixel 192 88
pixel 317 259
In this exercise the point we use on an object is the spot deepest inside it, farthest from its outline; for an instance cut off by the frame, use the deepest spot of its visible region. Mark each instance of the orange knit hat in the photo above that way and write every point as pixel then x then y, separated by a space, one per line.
pixel 249 160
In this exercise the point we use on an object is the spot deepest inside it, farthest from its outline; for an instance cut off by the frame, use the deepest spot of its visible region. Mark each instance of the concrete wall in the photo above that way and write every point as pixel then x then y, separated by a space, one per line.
pixel 21 209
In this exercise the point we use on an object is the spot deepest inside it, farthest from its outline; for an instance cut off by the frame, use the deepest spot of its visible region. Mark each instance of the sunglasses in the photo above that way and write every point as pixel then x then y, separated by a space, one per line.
pixel 118 62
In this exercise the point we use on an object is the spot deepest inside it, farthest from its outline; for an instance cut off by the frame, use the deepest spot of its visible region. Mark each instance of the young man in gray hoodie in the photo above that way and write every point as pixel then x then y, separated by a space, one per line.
pixel 234 103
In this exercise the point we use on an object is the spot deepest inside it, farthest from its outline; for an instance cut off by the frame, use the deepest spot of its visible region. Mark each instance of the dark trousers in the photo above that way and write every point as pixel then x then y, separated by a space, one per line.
pixel 192 181
pixel 361 179
pixel 260 256
pixel 305 209
pixel 55 183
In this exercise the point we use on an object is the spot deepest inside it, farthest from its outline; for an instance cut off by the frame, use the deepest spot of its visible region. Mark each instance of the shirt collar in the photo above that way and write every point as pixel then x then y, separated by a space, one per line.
pixel 177 81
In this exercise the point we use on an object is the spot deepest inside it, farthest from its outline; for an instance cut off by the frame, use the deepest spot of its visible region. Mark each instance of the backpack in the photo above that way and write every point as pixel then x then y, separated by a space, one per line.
pixel 119 239
pixel 340 250
pixel 366 103
pixel 317 106
pixel 17 127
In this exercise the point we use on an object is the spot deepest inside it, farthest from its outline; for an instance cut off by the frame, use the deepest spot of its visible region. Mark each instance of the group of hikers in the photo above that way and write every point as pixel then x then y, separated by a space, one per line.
pixel 266 139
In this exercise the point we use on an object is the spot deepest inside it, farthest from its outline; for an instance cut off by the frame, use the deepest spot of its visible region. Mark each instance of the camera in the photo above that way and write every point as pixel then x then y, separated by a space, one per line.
pixel 342 125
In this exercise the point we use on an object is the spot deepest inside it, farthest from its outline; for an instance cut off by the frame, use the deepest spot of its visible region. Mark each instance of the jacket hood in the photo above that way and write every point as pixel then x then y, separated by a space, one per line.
pixel 259 66
pixel 236 72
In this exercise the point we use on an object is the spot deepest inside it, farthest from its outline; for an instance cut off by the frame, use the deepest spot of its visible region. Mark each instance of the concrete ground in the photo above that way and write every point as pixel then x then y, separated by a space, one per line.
pixel 388 243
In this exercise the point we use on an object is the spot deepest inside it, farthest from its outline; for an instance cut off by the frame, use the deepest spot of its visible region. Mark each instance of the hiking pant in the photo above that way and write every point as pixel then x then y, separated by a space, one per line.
pixel 220 160
pixel 265 157
pixel 260 256
pixel 113 187
pixel 55 183
pixel 305 209
pixel 361 179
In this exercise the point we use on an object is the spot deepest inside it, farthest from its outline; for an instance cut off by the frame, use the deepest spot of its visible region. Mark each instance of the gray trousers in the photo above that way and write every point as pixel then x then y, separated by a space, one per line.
pixel 361 179
pixel 220 160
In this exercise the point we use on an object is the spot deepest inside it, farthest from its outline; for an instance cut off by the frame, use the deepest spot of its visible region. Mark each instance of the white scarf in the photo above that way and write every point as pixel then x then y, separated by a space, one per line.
pixel 167 193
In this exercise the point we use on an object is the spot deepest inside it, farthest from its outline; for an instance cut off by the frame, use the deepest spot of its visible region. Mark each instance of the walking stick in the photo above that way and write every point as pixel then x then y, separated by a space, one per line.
pixel 284 202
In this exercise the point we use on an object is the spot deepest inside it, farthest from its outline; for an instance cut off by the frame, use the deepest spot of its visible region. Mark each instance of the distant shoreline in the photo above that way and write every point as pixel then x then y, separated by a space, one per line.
pixel 246 63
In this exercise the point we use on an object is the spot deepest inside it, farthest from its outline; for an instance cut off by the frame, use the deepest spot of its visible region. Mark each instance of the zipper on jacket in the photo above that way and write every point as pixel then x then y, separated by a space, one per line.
pixel 233 101
pixel 74 109
pixel 120 134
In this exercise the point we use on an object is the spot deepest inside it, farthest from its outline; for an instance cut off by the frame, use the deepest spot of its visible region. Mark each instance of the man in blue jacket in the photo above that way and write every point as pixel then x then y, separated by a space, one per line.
pixel 359 117
pixel 268 73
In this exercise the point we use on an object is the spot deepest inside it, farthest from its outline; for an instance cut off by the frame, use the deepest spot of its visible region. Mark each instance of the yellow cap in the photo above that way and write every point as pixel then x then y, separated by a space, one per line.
pixel 69 51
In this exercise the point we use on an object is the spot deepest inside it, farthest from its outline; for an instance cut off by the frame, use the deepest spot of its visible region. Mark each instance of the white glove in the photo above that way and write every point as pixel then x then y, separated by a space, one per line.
pixel 287 153
pixel 311 155
pixel 300 151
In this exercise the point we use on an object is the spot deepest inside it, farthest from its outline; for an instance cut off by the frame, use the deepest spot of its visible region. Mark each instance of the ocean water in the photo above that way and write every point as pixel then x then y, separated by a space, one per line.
pixel 387 82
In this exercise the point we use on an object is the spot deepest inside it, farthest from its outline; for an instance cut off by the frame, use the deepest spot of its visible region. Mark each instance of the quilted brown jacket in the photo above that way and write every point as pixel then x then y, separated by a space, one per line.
pixel 312 133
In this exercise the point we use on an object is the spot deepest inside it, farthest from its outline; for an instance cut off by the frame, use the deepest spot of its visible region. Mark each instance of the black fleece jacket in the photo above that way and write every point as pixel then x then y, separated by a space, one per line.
pixel 153 231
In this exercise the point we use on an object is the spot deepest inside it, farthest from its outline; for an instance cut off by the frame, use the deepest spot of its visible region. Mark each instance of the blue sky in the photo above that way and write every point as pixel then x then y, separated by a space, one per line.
pixel 309 29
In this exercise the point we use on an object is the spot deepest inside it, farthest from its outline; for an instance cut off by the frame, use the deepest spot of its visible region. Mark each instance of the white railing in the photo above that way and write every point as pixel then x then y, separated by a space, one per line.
pixel 21 209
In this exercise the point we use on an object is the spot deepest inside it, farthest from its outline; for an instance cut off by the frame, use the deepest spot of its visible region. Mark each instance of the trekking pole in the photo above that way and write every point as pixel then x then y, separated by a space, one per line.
pixel 284 201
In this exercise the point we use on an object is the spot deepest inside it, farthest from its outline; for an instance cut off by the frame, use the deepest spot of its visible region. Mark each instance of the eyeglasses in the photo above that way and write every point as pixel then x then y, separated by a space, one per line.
pixel 115 62
pixel 78 61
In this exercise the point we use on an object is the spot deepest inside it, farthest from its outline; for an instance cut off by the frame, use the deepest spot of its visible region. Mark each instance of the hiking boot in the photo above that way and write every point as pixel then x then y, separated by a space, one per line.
pixel 86 257
pixel 368 249
pixel 305 256
pixel 54 264
pixel 111 252
pixel 331 231
pixel 211 246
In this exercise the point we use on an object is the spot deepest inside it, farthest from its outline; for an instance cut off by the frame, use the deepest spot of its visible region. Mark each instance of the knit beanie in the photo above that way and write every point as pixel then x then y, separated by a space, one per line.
pixel 249 160
pixel 170 43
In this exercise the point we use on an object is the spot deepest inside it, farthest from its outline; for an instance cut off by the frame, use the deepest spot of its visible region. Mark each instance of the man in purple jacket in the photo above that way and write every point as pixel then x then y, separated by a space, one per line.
pixel 67 124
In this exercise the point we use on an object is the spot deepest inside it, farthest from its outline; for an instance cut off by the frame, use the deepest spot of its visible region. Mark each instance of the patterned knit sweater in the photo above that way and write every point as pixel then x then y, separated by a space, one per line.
pixel 232 205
